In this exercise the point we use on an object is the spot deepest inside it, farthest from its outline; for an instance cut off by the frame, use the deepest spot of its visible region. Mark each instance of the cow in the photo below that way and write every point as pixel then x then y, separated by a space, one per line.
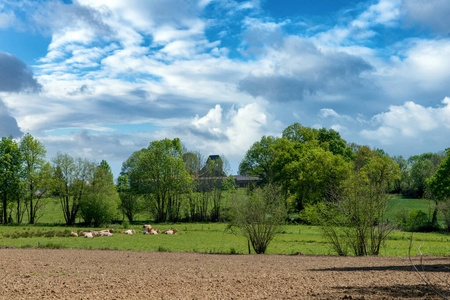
pixel 88 235
pixel 130 231
pixel 106 233
pixel 170 231
pixel 73 233
pixel 147 228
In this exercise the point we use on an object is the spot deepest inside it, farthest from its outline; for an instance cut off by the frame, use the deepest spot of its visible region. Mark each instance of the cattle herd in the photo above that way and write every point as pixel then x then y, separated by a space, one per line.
pixel 146 229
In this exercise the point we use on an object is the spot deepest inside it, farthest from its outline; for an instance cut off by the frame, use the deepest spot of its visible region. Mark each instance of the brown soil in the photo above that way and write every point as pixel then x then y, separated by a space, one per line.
pixel 85 274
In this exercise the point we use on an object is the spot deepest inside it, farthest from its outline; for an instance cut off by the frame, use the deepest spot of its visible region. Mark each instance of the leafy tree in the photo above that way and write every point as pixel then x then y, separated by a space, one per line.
pixel 130 203
pixel 34 173
pixel 259 216
pixel 100 203
pixel 439 186
pixel 10 172
pixel 72 176
pixel 309 172
pixel 159 171
pixel 259 159
pixel 419 169
pixel 301 134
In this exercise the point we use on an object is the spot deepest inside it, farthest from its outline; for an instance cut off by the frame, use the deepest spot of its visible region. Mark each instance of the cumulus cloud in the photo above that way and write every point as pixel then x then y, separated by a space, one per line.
pixel 15 76
pixel 412 122
pixel 230 133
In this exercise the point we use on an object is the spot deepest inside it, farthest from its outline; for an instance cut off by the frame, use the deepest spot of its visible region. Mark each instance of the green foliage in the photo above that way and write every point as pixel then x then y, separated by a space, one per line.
pixel 98 209
pixel 159 172
pixel 10 174
pixel 355 220
pixel 71 179
pixel 439 183
pixel 259 159
pixel 259 216
pixel 37 175
pixel 100 203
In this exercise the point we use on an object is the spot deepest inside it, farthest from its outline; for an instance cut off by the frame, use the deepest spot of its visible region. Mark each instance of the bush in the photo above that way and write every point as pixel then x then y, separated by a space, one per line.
pixel 417 220
pixel 355 219
pixel 98 209
pixel 259 216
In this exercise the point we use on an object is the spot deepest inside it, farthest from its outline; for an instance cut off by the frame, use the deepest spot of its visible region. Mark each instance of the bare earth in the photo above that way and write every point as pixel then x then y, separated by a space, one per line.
pixel 85 274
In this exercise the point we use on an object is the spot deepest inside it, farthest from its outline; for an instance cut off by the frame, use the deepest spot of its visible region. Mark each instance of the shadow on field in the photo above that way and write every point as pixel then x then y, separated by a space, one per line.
pixel 445 268
pixel 396 291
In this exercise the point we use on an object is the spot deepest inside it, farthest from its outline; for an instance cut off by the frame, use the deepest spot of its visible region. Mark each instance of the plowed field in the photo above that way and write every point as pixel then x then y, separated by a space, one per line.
pixel 85 274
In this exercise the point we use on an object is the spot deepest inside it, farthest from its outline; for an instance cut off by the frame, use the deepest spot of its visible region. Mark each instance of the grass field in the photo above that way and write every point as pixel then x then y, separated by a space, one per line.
pixel 209 238
pixel 212 237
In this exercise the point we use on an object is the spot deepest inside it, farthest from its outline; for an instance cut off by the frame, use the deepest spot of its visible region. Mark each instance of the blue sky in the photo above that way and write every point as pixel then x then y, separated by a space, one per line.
pixel 101 79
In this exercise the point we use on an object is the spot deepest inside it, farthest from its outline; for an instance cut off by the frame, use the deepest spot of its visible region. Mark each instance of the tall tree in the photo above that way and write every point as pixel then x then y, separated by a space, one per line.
pixel 71 178
pixel 99 204
pixel 10 172
pixel 160 172
pixel 259 159
pixel 33 152
pixel 439 185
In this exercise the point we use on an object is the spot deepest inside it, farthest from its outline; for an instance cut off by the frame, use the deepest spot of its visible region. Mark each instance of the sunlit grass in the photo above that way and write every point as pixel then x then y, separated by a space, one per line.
pixel 212 238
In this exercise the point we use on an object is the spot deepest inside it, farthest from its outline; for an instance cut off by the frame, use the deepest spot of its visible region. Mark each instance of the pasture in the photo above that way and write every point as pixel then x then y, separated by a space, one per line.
pixel 50 232
pixel 208 238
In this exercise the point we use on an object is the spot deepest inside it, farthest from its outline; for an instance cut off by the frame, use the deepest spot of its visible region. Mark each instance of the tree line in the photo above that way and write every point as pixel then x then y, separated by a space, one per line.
pixel 316 172
pixel 82 188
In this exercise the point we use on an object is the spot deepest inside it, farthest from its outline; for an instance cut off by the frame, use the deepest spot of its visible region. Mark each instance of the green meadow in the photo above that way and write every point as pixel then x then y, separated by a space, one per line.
pixel 50 232
pixel 210 238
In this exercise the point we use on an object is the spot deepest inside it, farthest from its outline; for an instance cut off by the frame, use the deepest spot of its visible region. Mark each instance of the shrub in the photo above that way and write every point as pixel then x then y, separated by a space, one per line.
pixel 417 220
pixel 259 216
pixel 98 209
pixel 355 218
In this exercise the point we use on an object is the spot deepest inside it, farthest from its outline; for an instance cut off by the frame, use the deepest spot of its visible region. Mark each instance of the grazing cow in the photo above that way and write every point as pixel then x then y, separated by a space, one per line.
pixel 88 235
pixel 170 231
pixel 73 233
pixel 147 228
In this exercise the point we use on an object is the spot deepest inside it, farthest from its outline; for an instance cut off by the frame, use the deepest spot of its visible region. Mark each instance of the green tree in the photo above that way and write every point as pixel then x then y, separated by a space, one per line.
pixel 130 203
pixel 259 216
pixel 420 168
pixel 297 133
pixel 33 153
pixel 10 172
pixel 439 186
pixel 259 159
pixel 310 173
pixel 99 204
pixel 159 171
pixel 72 176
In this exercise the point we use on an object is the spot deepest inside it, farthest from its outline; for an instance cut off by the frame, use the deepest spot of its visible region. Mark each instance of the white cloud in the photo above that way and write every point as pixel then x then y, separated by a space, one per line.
pixel 411 121
pixel 328 112
pixel 7 19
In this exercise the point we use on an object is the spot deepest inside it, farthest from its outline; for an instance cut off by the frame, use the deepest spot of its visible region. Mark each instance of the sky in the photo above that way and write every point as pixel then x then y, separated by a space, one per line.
pixel 102 79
